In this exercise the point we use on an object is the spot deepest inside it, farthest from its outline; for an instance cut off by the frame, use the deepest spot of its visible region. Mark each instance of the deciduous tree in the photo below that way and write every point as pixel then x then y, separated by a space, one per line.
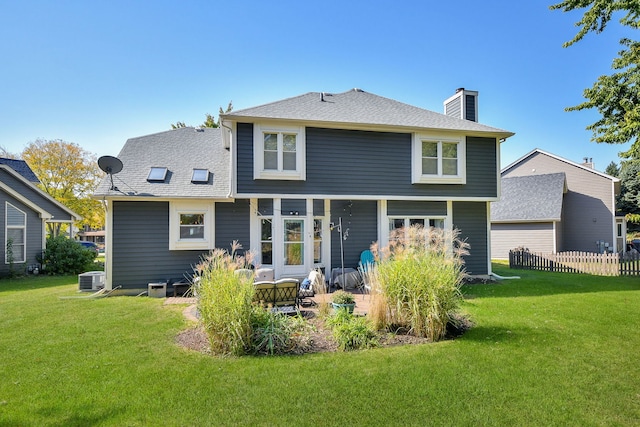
pixel 615 96
pixel 69 174
pixel 209 122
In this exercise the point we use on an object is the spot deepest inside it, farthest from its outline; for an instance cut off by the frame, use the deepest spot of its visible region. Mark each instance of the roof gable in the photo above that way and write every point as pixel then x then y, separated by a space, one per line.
pixel 530 198
pixel 180 151
pixel 21 167
pixel 538 151
pixel 357 107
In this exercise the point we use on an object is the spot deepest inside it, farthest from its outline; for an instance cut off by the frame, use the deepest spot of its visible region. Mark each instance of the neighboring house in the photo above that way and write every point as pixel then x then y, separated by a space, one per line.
pixel 25 211
pixel 550 204
pixel 281 177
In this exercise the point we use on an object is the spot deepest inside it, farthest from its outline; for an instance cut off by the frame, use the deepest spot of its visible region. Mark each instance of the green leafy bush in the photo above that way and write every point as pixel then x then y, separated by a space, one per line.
pixel 342 297
pixel 352 332
pixel 65 256
pixel 419 276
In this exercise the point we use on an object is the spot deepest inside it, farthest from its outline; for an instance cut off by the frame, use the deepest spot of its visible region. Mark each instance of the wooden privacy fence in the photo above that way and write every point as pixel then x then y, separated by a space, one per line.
pixel 577 262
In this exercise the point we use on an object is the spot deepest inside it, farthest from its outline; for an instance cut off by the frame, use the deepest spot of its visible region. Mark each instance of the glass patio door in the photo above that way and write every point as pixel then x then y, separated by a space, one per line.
pixel 294 247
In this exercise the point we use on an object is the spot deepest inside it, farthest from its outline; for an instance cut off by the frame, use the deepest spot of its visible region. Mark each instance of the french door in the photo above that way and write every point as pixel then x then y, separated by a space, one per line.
pixel 294 253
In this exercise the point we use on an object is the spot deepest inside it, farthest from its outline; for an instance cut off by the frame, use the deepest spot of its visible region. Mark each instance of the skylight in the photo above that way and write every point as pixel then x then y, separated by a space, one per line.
pixel 157 174
pixel 200 175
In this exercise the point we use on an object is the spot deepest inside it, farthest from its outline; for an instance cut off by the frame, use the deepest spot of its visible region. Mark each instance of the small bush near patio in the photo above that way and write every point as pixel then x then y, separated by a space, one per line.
pixel 65 256
pixel 352 332
pixel 416 283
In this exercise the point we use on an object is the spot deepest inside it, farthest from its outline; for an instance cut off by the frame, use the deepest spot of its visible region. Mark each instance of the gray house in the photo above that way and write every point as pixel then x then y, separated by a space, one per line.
pixel 549 204
pixel 280 177
pixel 25 211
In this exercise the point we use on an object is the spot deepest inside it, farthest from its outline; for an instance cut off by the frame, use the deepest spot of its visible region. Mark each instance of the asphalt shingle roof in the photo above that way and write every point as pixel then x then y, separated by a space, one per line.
pixel 22 168
pixel 180 150
pixel 359 107
pixel 530 198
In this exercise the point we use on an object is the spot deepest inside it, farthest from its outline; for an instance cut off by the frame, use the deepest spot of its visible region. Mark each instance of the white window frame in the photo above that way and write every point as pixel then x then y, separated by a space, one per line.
pixel 268 218
pixel 407 219
pixel 417 177
pixel 259 172
pixel 177 208
pixel 22 227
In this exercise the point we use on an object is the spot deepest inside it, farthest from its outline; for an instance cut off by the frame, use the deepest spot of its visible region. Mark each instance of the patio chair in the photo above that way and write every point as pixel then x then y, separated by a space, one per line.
pixel 365 266
pixel 286 298
pixel 265 293
pixel 264 274
pixel 244 272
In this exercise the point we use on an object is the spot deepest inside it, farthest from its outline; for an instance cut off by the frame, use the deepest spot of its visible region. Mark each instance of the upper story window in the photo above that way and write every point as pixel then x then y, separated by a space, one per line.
pixel 279 152
pixel 438 160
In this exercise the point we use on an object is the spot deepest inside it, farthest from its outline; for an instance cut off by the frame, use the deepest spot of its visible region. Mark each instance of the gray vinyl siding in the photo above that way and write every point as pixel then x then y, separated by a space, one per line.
pixel 536 236
pixel 349 162
pixel 140 252
pixel 470 108
pixel 414 208
pixel 454 107
pixel 33 235
pixel 318 207
pixel 293 205
pixel 471 219
pixel 588 211
pixel 265 206
pixel 28 192
pixel 360 224
pixel 233 223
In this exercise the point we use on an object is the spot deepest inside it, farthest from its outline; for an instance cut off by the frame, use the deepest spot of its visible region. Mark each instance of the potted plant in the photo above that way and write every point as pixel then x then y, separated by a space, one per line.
pixel 342 299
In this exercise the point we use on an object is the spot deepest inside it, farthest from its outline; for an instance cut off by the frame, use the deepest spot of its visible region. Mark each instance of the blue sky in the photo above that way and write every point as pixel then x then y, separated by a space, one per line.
pixel 96 73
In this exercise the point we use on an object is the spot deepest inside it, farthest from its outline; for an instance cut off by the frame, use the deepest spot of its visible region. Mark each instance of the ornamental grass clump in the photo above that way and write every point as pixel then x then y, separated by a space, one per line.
pixel 419 276
pixel 225 300
pixel 275 333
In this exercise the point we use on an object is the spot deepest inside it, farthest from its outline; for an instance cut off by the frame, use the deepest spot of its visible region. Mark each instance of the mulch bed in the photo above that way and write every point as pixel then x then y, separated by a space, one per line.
pixel 322 341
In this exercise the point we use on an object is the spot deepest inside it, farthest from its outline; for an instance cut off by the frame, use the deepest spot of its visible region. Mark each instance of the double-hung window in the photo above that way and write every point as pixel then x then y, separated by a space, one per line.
pixel 438 160
pixel 279 152
pixel 15 234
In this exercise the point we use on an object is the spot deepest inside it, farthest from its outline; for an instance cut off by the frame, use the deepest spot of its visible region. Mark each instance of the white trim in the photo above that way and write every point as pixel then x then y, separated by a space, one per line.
pixel 555 243
pixel 613 215
pixel 493 133
pixel 417 175
pixel 537 150
pixel 108 244
pixel 258 152
pixel 383 224
pixel 204 207
pixel 22 227
pixel 363 197
pixel 16 195
pixel 33 187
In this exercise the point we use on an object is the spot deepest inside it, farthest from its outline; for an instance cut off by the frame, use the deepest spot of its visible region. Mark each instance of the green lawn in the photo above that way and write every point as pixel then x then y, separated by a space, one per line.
pixel 548 349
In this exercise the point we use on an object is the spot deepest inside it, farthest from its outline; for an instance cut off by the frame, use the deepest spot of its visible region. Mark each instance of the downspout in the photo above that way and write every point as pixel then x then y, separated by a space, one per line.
pixel 232 159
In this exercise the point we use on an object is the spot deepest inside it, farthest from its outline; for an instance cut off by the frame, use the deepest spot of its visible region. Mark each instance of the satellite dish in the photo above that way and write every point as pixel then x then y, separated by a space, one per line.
pixel 109 164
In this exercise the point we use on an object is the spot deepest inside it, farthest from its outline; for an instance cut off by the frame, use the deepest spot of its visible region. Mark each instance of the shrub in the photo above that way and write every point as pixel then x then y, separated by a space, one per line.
pixel 342 297
pixel 225 301
pixel 352 332
pixel 420 275
pixel 65 256
pixel 276 333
